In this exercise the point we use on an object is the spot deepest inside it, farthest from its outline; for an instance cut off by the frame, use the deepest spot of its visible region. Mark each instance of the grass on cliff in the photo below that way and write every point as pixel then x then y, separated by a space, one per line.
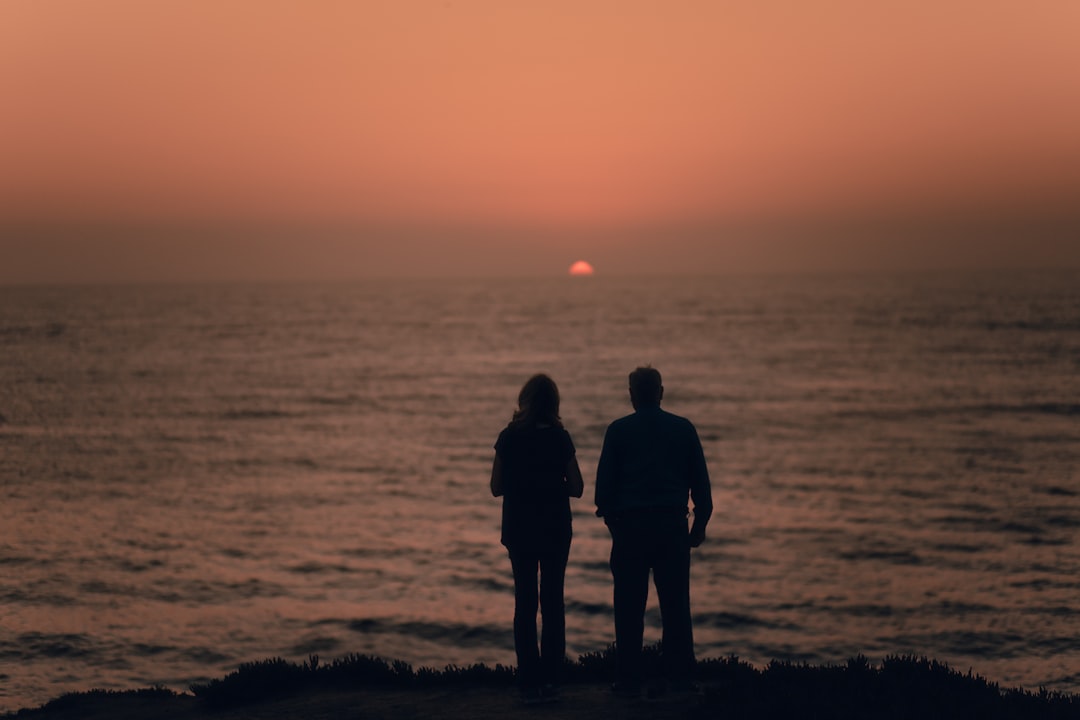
pixel 900 687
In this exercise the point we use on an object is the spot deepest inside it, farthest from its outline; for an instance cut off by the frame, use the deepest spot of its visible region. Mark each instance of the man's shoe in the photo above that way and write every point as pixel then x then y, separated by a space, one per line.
pixel 656 689
pixel 531 697
pixel 549 693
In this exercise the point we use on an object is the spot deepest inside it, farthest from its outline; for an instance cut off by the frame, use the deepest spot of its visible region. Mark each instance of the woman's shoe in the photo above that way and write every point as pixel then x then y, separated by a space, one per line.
pixel 626 689
pixel 531 696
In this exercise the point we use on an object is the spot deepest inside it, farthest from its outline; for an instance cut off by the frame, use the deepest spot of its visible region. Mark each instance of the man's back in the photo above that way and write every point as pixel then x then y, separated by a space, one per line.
pixel 651 459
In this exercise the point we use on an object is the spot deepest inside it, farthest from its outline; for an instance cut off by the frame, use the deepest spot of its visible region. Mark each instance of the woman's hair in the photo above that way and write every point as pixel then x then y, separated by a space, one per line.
pixel 538 403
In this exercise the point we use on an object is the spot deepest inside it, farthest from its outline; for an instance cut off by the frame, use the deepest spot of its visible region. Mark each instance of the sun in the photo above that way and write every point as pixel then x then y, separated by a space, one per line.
pixel 581 268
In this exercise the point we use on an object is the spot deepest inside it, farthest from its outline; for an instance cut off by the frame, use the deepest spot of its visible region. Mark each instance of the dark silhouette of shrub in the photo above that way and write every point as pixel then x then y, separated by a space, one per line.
pixel 901 687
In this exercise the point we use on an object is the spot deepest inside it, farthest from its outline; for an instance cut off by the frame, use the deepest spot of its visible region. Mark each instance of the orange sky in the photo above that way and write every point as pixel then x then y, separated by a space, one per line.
pixel 511 137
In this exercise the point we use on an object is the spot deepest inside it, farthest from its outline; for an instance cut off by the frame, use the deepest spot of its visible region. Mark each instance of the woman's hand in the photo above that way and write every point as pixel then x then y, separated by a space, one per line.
pixel 496 477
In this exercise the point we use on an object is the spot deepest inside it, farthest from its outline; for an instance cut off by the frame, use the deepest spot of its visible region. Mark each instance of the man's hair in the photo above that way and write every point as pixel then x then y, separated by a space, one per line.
pixel 645 386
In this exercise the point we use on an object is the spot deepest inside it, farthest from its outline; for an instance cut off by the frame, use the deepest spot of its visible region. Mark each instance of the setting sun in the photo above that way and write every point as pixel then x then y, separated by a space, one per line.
pixel 581 268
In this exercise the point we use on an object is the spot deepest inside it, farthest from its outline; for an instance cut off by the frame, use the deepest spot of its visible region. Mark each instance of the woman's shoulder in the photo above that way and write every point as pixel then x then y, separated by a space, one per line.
pixel 513 428
pixel 556 431
pixel 505 435
pixel 515 433
pixel 560 437
pixel 519 429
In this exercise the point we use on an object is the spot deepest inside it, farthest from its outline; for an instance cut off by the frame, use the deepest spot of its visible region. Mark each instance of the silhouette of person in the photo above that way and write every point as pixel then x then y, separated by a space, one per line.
pixel 536 472
pixel 651 460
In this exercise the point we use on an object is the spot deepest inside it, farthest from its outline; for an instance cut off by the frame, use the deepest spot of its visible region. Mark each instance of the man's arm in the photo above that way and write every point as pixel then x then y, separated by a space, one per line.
pixel 605 476
pixel 700 493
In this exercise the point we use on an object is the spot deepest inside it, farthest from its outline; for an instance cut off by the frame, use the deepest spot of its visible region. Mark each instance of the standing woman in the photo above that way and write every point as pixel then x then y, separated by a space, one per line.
pixel 536 473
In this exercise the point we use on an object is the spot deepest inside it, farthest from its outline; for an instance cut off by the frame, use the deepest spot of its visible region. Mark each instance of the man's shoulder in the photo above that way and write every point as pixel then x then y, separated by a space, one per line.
pixel 622 422
pixel 676 419
pixel 648 419
pixel 679 424
pixel 640 416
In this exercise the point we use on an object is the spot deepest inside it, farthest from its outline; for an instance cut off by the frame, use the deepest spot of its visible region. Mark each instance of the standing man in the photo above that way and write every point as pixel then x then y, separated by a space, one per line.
pixel 651 462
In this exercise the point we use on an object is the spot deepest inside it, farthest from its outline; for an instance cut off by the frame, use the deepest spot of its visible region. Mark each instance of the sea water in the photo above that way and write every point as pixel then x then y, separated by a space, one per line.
pixel 195 477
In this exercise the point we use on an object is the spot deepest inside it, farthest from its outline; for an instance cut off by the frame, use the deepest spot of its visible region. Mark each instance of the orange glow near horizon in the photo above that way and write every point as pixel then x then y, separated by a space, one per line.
pixel 572 118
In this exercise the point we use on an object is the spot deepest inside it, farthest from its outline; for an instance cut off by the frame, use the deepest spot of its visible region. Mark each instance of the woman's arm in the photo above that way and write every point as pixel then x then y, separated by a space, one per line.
pixel 496 477
pixel 575 483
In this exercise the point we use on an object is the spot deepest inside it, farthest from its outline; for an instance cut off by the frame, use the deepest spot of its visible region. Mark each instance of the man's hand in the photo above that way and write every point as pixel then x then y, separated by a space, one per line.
pixel 697 536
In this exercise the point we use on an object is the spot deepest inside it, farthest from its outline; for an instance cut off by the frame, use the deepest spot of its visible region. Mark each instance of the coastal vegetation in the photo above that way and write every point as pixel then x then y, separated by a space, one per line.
pixel 897 687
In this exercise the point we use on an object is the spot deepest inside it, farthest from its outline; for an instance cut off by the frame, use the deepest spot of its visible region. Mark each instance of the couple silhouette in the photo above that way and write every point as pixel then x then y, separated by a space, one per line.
pixel 650 465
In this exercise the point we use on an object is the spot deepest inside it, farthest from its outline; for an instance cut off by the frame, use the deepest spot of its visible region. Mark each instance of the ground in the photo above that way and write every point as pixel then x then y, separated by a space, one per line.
pixel 579 702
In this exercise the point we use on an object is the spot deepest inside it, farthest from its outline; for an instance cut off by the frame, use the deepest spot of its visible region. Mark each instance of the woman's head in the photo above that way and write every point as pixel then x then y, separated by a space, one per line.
pixel 538 402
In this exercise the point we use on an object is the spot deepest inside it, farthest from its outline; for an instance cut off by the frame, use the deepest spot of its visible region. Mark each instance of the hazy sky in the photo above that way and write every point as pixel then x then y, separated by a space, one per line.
pixel 256 138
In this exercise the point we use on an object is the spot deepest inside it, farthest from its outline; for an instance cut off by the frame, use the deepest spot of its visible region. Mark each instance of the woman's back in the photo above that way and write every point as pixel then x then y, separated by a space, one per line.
pixel 536 499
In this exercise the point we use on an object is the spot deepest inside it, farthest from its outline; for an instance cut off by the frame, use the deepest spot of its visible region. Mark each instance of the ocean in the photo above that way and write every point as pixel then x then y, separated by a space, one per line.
pixel 193 477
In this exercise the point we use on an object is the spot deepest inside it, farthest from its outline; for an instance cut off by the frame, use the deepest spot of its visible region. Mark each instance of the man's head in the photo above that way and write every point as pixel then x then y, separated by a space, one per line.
pixel 646 388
